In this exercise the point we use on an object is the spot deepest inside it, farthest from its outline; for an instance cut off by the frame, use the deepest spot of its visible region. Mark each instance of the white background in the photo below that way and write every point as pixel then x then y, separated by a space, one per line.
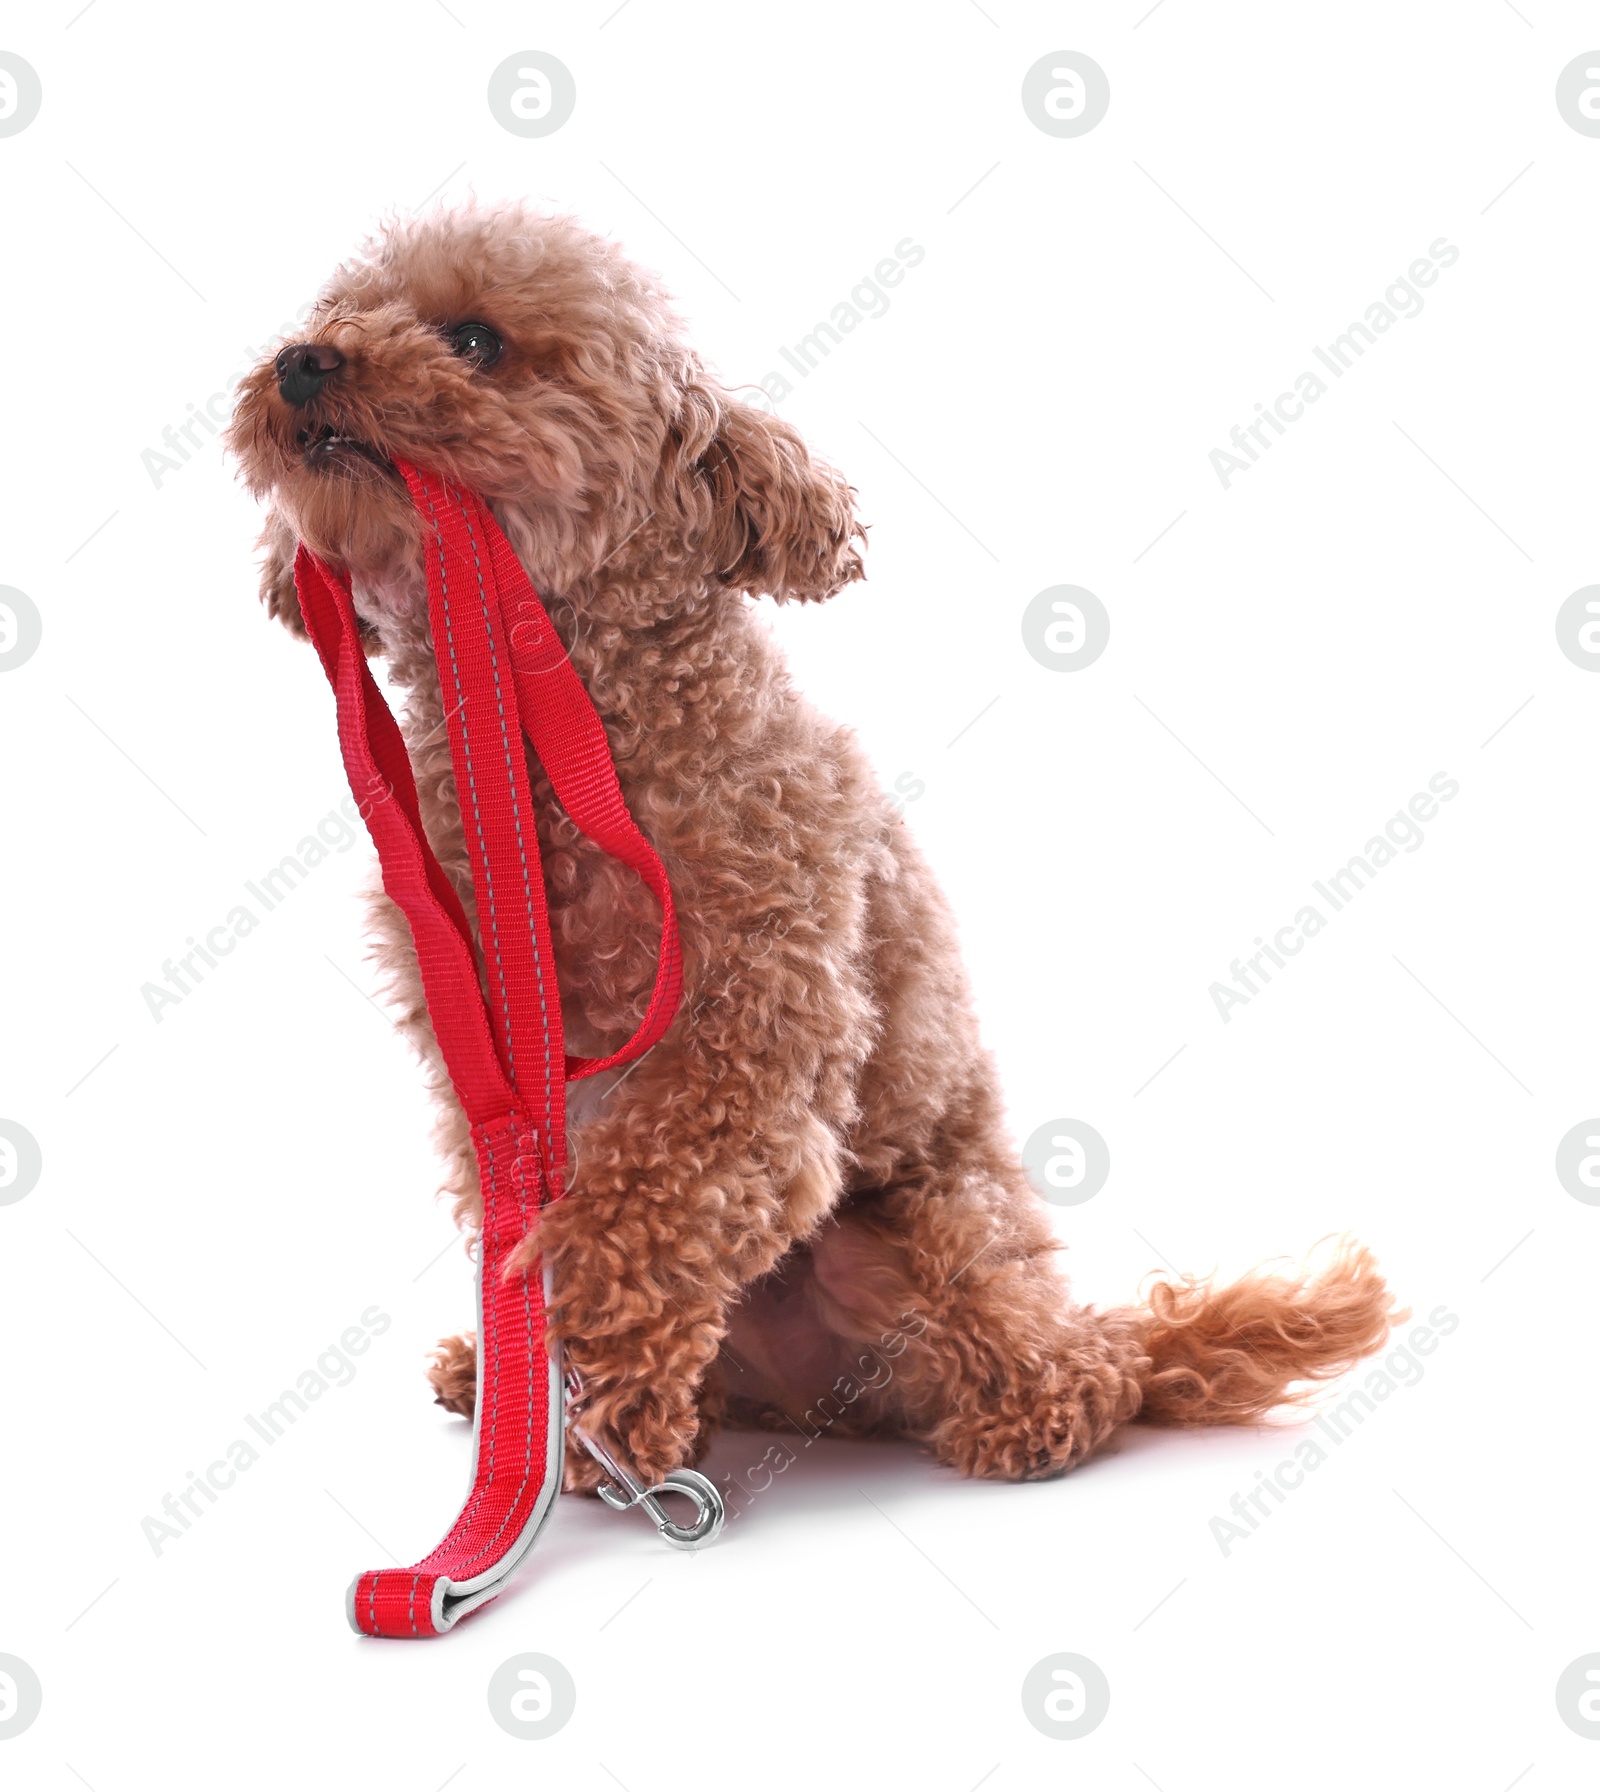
pixel 1292 660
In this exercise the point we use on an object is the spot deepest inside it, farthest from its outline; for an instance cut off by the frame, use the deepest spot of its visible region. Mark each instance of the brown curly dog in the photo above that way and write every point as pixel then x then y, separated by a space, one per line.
pixel 804 1203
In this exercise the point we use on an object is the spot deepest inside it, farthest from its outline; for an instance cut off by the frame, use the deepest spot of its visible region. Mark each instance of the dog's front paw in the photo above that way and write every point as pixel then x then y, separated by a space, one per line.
pixel 453 1374
pixel 583 1474
pixel 650 1428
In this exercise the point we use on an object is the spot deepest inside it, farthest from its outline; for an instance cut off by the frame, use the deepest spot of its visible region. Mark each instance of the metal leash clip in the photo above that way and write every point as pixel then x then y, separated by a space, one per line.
pixel 622 1493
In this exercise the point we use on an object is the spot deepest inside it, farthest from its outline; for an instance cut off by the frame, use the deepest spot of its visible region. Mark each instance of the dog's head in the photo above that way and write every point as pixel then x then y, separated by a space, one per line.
pixel 522 357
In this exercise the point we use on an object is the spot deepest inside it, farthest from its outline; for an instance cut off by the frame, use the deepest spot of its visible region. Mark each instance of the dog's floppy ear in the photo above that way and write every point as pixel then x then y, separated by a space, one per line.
pixel 277 546
pixel 282 602
pixel 278 543
pixel 781 523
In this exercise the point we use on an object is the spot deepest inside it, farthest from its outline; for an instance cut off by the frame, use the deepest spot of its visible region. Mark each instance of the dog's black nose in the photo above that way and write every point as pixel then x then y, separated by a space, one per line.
pixel 302 369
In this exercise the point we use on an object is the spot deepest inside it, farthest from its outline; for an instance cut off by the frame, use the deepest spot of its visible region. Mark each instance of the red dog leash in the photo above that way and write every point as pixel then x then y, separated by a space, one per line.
pixel 503 672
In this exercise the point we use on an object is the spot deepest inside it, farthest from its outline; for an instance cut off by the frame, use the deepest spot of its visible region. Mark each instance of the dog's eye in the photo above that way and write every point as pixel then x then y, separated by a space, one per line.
pixel 475 342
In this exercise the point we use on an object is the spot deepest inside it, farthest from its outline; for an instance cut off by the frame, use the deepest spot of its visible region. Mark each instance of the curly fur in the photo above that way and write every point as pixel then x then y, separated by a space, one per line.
pixel 807 1190
pixel 1225 1355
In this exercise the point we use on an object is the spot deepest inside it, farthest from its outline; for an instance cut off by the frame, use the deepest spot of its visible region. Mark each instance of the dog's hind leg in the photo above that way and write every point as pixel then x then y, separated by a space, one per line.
pixel 951 1278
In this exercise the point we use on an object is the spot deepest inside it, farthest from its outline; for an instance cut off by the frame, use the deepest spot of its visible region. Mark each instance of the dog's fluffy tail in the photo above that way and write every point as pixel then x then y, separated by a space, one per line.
pixel 1228 1355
